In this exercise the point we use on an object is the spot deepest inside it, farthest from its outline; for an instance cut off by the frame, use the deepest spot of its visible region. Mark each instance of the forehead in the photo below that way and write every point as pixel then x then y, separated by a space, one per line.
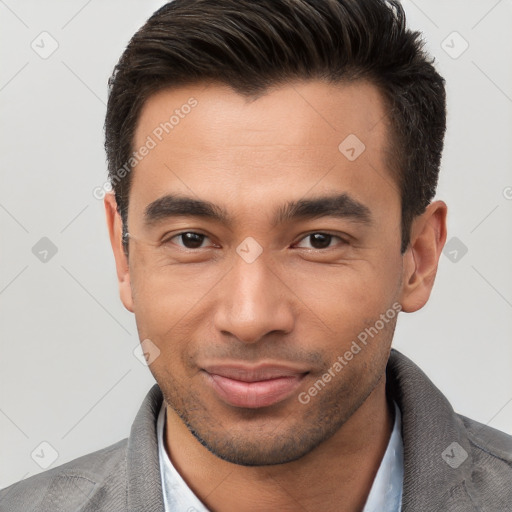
pixel 292 139
pixel 355 107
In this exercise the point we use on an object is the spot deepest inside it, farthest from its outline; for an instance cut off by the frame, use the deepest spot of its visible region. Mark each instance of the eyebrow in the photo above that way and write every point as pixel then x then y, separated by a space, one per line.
pixel 340 206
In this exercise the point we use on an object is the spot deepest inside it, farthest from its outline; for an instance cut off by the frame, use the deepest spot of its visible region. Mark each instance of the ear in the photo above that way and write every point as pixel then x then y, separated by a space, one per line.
pixel 115 230
pixel 428 236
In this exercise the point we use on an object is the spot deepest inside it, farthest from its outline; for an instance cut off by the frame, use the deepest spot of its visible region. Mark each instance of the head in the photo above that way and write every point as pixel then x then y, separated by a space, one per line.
pixel 273 166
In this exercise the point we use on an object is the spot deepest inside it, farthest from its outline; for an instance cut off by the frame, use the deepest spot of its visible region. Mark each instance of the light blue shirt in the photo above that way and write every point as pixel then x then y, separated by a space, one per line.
pixel 385 494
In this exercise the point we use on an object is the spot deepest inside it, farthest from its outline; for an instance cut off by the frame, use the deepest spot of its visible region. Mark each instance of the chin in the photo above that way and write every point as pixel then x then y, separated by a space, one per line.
pixel 255 452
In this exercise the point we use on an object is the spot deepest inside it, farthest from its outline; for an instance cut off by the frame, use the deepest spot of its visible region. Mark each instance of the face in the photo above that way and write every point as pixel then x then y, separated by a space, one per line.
pixel 260 252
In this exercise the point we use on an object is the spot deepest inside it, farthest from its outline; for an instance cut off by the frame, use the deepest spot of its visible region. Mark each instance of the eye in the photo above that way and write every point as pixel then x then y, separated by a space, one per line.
pixel 188 240
pixel 319 241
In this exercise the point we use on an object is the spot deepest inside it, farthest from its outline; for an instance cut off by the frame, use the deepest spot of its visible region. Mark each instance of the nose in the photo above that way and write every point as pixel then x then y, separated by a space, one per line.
pixel 254 302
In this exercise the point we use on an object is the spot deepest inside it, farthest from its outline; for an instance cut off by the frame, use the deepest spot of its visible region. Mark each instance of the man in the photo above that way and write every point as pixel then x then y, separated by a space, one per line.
pixel 274 165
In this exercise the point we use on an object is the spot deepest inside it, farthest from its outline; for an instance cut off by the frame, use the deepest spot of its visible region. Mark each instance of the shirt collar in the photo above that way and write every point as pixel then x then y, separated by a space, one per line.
pixel 385 494
pixel 178 496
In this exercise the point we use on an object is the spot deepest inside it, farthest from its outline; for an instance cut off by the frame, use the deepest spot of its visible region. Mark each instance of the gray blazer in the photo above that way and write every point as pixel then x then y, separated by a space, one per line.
pixel 473 475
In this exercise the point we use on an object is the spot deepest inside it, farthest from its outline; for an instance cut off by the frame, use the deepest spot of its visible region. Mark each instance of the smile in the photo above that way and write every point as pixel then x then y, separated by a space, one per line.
pixel 253 388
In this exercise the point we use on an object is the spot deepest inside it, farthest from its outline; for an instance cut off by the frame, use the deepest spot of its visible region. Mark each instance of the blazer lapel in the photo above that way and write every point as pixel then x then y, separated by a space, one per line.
pixel 144 487
pixel 437 454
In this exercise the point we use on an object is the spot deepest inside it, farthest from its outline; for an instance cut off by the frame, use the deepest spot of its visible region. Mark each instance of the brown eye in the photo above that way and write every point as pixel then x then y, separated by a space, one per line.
pixel 319 241
pixel 189 239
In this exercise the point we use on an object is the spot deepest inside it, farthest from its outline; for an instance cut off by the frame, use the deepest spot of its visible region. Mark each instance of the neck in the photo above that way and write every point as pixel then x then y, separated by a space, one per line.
pixel 339 470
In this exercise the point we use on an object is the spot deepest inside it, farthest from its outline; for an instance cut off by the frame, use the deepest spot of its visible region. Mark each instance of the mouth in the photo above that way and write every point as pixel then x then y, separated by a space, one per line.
pixel 253 387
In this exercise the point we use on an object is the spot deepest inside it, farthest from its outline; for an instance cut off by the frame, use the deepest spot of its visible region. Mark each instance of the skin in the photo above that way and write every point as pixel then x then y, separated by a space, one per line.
pixel 296 304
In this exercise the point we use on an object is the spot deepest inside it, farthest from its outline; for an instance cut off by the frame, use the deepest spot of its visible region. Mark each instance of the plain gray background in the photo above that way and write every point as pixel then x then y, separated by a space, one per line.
pixel 68 374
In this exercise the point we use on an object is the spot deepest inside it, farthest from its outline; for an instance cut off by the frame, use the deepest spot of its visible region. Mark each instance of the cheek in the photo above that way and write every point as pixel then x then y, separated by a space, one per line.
pixel 163 291
pixel 345 302
pixel 169 303
pixel 353 290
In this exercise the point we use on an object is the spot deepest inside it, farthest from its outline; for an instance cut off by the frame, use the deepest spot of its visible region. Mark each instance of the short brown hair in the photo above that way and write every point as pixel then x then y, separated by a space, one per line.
pixel 252 45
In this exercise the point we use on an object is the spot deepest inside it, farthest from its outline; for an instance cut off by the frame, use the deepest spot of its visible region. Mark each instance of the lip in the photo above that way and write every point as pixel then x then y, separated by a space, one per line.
pixel 253 387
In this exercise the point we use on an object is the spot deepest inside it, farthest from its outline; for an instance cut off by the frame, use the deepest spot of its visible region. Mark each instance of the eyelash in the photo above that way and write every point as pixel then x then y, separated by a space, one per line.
pixel 333 236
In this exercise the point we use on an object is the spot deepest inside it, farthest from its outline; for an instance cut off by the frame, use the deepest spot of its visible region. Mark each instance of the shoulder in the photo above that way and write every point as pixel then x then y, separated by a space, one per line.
pixel 487 440
pixel 98 474
pixel 491 453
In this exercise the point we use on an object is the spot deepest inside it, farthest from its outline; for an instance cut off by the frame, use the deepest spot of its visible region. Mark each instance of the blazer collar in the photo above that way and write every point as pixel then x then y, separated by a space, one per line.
pixel 429 429
pixel 144 486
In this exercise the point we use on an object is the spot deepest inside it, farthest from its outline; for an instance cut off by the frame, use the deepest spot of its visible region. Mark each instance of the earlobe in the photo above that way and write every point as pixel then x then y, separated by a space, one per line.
pixel 115 229
pixel 428 236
